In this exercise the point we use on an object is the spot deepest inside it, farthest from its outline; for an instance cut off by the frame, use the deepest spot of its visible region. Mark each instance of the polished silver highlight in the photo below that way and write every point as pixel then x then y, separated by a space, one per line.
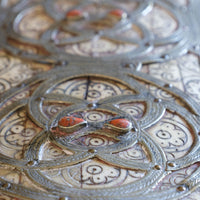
pixel 148 48
pixel 155 170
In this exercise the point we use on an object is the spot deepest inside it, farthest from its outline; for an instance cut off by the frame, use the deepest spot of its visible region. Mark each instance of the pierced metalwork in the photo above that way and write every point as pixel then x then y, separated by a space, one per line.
pixel 120 91
pixel 94 127
pixel 72 32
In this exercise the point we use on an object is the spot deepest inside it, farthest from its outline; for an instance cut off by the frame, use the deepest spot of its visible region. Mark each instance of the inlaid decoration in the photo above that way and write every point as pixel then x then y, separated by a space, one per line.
pixel 127 31
pixel 99 100
pixel 99 134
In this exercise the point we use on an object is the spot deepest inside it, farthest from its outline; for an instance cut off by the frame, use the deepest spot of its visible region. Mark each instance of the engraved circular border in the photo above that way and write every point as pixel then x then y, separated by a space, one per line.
pixel 179 38
pixel 192 114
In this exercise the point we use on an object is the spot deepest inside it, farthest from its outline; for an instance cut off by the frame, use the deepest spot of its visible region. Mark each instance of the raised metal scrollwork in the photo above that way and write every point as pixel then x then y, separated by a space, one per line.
pixel 104 131
pixel 78 120
pixel 129 31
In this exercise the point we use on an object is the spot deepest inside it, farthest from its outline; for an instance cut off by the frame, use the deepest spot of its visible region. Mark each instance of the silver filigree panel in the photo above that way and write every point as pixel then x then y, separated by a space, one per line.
pixel 99 100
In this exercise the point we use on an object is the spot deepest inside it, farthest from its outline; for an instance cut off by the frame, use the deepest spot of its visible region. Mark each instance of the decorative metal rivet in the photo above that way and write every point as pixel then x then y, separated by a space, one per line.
pixel 181 188
pixel 134 129
pixel 6 185
pixel 165 56
pixel 31 163
pixel 157 100
pixel 63 198
pixel 158 167
pixel 168 85
pixel 147 44
pixel 98 32
pixel 22 85
pixel 91 105
pixel 92 150
pixel 54 128
pixel 62 62
pixel 171 164
pixel 129 65
pixel 39 98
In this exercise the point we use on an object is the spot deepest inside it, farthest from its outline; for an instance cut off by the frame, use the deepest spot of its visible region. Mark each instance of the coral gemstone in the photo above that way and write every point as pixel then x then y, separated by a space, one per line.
pixel 118 13
pixel 70 121
pixel 74 14
pixel 120 123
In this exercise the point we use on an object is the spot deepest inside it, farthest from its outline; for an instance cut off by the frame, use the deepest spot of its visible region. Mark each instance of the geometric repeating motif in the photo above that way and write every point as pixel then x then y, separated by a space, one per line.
pixel 96 103
pixel 62 31
pixel 115 160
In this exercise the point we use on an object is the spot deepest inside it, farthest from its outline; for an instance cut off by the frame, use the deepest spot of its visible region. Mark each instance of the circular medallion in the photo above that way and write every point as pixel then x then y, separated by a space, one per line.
pixel 99 133
pixel 60 31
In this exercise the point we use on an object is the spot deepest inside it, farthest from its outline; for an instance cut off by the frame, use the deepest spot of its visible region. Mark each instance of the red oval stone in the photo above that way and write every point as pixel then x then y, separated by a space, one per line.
pixel 74 14
pixel 120 123
pixel 70 121
pixel 118 13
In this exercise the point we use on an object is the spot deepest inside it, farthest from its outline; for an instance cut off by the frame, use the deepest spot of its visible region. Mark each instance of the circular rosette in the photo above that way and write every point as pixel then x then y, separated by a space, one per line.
pixel 95 121
pixel 90 31
pixel 94 114
pixel 101 133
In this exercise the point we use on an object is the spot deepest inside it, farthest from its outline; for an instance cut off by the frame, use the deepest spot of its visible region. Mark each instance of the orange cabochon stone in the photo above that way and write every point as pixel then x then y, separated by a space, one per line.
pixel 70 121
pixel 118 13
pixel 120 123
pixel 74 14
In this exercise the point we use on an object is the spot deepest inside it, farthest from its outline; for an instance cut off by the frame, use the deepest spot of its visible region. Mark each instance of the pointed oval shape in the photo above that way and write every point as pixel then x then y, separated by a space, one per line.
pixel 69 121
pixel 120 123
pixel 120 14
pixel 74 14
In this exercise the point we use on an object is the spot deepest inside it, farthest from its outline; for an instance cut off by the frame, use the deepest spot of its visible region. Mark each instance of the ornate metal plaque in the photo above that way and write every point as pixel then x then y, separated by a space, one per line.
pixel 99 100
